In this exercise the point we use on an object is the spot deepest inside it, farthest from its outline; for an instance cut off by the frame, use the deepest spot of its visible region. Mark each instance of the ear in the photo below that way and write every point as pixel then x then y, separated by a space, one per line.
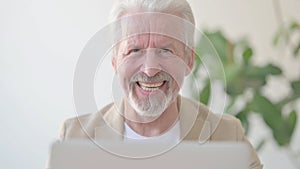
pixel 190 61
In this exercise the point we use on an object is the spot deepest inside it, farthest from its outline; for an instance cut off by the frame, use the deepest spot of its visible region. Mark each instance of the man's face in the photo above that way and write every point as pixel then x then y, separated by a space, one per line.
pixel 151 70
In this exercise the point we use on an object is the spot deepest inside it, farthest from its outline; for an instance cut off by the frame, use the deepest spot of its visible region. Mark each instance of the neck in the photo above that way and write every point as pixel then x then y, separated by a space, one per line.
pixel 151 126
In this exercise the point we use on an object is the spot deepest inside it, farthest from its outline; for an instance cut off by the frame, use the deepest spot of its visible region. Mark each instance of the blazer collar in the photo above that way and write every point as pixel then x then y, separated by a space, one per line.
pixel 193 123
pixel 113 126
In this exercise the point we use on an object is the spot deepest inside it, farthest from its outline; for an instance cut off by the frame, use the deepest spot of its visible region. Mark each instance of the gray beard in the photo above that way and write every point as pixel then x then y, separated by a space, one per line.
pixel 152 106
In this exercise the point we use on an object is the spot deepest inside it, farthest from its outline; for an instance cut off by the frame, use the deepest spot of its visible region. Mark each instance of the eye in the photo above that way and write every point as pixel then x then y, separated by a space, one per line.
pixel 165 50
pixel 134 50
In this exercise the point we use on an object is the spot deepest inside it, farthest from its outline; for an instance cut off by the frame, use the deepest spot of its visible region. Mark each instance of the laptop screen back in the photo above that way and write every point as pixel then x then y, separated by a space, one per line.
pixel 187 155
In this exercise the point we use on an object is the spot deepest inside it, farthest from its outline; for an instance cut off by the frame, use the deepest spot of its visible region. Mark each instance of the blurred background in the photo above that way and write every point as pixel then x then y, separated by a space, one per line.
pixel 40 41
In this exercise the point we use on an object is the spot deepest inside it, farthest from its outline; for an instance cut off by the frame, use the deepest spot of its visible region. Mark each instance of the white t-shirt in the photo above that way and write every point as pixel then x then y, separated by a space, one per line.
pixel 171 136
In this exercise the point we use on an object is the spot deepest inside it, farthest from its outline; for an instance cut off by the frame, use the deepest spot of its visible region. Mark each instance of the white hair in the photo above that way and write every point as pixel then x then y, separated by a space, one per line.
pixel 180 8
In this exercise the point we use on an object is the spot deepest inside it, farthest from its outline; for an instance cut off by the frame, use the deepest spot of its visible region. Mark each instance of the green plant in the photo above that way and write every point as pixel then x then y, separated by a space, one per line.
pixel 245 81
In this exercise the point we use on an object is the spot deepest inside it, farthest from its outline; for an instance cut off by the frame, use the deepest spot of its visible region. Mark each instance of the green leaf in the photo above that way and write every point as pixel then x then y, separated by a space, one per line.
pixel 291 122
pixel 296 87
pixel 232 72
pixel 247 54
pixel 282 127
pixel 284 134
pixel 296 50
pixel 205 93
pixel 260 145
pixel 270 113
pixel 276 39
pixel 215 43
pixel 243 116
pixel 294 26
pixel 220 44
pixel 279 36
pixel 262 72
pixel 256 77
pixel 235 79
pixel 197 58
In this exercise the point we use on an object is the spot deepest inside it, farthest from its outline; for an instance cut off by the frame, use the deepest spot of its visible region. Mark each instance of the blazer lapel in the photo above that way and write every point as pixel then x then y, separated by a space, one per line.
pixel 112 127
pixel 193 122
pixel 194 125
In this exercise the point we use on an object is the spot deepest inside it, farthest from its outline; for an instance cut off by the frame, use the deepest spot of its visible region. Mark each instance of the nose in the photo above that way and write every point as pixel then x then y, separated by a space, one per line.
pixel 151 65
pixel 151 71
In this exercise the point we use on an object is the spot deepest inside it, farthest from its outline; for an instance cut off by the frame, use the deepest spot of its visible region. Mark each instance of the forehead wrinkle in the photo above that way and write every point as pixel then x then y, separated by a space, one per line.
pixel 151 41
pixel 140 31
pixel 138 41
pixel 146 32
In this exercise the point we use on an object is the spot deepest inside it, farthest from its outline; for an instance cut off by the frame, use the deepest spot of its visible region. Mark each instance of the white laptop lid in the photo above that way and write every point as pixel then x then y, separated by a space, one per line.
pixel 186 155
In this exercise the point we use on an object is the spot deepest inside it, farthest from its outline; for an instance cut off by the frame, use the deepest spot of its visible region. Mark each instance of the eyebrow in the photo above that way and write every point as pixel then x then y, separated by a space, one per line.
pixel 136 43
pixel 168 45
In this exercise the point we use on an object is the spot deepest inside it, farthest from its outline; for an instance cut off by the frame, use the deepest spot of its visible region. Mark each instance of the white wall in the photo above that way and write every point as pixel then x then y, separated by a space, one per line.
pixel 40 43
pixel 41 40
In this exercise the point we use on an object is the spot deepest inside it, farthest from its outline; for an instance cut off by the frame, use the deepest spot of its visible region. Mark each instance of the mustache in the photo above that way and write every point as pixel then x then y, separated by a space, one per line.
pixel 161 76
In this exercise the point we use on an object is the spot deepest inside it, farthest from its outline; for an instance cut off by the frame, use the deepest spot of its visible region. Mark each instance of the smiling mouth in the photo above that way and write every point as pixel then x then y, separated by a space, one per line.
pixel 149 87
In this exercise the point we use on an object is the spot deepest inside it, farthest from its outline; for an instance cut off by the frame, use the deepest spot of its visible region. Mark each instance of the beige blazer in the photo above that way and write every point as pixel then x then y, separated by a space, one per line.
pixel 196 123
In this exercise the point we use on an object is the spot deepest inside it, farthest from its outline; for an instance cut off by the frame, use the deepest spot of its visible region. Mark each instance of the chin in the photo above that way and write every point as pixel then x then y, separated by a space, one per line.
pixel 152 106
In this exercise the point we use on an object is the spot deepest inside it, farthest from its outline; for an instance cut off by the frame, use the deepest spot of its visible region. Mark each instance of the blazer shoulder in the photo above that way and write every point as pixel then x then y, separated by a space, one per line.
pixel 227 128
pixel 88 117
pixel 83 126
pixel 224 127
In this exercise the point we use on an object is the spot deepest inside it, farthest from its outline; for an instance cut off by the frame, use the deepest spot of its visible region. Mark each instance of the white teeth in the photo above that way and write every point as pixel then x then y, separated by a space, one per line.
pixel 150 87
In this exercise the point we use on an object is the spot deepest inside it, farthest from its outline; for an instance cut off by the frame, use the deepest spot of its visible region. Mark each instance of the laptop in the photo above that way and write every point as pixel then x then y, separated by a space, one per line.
pixel 123 155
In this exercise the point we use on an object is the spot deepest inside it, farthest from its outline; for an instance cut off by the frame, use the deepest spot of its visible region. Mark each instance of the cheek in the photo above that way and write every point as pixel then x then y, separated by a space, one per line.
pixel 176 69
pixel 177 79
pixel 126 71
